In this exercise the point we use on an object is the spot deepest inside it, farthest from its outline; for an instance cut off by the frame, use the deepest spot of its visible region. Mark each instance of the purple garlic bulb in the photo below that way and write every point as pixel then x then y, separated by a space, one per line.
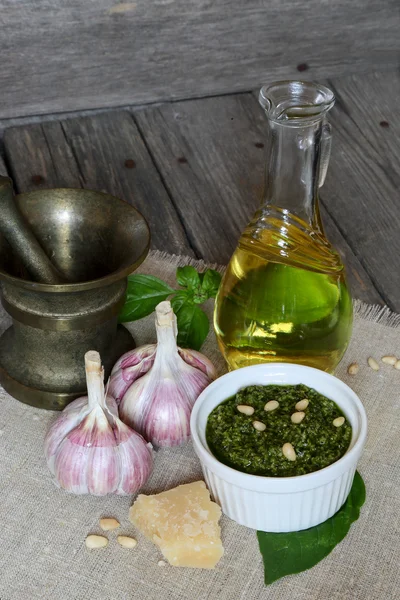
pixel 89 450
pixel 157 385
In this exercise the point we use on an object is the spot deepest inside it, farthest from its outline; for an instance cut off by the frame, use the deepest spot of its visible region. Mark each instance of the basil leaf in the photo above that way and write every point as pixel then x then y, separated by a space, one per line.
pixel 188 277
pixel 210 283
pixel 181 297
pixel 199 297
pixel 288 553
pixel 143 294
pixel 193 326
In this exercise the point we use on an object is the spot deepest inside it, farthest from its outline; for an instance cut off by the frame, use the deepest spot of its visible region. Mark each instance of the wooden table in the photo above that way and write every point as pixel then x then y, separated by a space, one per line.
pixel 195 169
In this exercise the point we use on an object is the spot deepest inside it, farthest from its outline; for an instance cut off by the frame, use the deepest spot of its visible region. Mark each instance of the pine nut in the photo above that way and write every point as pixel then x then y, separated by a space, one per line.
pixel 373 364
pixel 297 417
pixel 246 410
pixel 338 422
pixel 126 542
pixel 288 451
pixel 162 563
pixel 259 426
pixel 109 524
pixel 397 365
pixel 96 541
pixel 389 360
pixel 271 405
pixel 302 404
pixel 353 368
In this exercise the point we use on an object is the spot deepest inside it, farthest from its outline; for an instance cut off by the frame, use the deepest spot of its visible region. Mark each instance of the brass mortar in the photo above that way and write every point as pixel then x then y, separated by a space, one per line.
pixel 95 240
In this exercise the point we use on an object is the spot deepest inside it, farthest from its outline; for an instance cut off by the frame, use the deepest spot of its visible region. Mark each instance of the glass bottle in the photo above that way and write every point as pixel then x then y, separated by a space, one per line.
pixel 284 295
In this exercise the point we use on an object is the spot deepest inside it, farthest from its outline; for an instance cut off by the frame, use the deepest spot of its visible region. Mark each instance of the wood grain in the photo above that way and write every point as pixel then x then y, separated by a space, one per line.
pixel 105 153
pixel 205 150
pixel 199 166
pixel 362 187
pixel 67 55
pixel 211 154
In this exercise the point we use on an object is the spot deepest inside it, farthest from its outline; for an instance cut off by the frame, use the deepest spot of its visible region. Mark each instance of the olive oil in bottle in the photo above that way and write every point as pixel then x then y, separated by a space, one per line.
pixel 284 295
pixel 268 310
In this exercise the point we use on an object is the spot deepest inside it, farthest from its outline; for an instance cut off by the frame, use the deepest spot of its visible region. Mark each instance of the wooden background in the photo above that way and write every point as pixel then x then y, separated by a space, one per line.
pixel 64 55
pixel 195 169
pixel 189 147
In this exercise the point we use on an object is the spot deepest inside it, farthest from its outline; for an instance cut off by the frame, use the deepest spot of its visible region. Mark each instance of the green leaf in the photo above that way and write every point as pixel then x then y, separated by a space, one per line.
pixel 201 285
pixel 180 298
pixel 193 326
pixel 288 553
pixel 188 277
pixel 211 282
pixel 143 294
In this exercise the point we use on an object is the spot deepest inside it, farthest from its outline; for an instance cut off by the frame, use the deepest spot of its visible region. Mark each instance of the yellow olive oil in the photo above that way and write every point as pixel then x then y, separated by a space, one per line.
pixel 284 296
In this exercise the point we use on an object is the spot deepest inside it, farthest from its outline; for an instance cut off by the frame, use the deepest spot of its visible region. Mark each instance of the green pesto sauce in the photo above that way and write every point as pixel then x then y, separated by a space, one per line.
pixel 234 441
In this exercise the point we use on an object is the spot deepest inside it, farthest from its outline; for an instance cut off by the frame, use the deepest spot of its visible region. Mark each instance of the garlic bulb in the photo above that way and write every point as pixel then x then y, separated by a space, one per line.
pixel 158 384
pixel 90 450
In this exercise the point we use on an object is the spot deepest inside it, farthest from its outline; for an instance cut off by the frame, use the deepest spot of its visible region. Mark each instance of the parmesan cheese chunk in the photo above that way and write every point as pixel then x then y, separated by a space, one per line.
pixel 183 523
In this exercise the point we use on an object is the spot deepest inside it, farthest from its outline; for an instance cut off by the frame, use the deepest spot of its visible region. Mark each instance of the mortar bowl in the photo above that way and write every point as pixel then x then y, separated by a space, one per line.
pixel 96 241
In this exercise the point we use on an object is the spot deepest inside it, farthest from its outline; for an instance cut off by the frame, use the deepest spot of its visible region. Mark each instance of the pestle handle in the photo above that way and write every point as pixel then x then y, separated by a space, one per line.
pixel 22 240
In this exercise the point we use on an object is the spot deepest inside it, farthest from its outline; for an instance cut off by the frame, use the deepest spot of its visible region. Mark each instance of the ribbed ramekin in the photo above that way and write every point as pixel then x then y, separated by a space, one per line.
pixel 279 504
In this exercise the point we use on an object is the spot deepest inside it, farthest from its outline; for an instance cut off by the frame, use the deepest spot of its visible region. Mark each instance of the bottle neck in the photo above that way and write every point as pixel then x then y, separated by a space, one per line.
pixel 293 169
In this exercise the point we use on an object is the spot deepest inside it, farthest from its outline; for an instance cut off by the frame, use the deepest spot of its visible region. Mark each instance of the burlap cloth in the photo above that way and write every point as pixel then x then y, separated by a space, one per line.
pixel 42 529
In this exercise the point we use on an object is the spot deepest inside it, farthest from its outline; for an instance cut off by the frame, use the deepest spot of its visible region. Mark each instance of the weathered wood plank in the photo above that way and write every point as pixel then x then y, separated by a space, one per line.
pixel 205 150
pixel 104 152
pixel 211 161
pixel 362 187
pixel 211 155
pixel 371 102
pixel 71 55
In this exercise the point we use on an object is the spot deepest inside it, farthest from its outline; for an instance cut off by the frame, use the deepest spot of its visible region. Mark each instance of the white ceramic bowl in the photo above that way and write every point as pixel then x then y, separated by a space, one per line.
pixel 279 504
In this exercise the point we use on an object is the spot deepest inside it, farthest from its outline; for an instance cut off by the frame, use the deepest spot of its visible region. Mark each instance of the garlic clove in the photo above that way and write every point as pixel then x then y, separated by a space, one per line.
pixel 193 380
pixel 103 469
pixel 136 356
pixel 198 361
pixel 71 416
pixel 70 467
pixel 130 367
pixel 135 458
